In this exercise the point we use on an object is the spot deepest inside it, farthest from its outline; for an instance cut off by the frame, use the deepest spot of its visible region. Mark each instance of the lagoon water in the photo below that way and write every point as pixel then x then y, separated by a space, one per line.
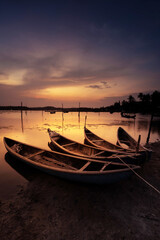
pixel 31 127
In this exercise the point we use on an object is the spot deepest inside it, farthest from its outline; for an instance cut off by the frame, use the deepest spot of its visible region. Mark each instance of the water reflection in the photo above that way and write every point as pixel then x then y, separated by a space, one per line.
pixel 62 121
pixel 156 126
pixel 22 121
pixel 144 125
pixel 79 119
pixel 22 169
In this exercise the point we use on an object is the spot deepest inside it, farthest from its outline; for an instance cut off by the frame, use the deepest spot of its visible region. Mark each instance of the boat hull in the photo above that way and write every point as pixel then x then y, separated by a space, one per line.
pixel 94 177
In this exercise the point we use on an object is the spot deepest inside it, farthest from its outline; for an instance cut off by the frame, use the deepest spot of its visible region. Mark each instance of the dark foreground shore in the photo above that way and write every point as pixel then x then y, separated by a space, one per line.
pixel 54 209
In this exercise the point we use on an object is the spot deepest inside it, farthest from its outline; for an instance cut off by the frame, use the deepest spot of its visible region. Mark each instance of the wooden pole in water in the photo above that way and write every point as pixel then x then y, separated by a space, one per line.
pixel 139 139
pixel 21 116
pixel 79 114
pixel 85 121
pixel 149 132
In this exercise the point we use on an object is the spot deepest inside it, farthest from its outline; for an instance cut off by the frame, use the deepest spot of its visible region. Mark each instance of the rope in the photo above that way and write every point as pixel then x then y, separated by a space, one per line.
pixel 139 176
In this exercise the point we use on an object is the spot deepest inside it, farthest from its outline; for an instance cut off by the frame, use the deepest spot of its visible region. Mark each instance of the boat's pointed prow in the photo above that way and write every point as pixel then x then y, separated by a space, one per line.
pixel 48 130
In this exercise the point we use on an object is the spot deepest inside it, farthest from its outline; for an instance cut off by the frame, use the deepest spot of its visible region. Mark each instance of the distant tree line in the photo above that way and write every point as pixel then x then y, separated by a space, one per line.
pixel 147 103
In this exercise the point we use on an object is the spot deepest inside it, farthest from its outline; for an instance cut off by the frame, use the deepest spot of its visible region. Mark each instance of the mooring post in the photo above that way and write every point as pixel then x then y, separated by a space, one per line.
pixel 22 117
pixel 85 121
pixel 139 139
pixel 149 132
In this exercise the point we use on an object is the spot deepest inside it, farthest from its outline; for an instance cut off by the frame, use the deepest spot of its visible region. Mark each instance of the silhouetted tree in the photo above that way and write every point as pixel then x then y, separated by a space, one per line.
pixel 140 96
pixel 131 99
pixel 146 98
pixel 155 97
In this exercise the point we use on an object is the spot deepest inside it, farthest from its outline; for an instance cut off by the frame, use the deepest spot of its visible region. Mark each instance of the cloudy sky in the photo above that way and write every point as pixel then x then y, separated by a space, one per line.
pixel 92 52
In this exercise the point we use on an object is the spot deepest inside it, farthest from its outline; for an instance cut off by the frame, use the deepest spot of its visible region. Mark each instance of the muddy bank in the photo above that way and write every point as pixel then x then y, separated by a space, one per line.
pixel 51 208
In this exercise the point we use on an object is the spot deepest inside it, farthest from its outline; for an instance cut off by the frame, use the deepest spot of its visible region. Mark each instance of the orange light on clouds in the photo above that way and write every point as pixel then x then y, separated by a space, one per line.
pixel 13 79
pixel 70 93
pixel 79 92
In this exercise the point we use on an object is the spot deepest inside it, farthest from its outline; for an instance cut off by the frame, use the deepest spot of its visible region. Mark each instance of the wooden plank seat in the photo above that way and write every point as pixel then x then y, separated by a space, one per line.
pixel 68 144
pixel 34 154
pixel 106 164
pixel 85 165
pixel 98 140
pixel 59 163
pixel 96 154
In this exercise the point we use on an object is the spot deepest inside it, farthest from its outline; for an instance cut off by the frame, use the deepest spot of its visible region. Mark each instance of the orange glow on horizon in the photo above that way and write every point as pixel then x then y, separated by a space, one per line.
pixel 70 93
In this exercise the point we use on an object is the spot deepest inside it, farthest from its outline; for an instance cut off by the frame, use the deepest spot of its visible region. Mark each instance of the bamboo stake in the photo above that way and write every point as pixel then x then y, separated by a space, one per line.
pixel 138 143
pixel 85 120
pixel 149 132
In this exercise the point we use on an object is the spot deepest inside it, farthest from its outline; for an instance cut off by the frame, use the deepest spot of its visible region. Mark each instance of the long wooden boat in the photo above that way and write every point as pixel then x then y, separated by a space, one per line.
pixel 98 142
pixel 67 166
pixel 69 146
pixel 125 140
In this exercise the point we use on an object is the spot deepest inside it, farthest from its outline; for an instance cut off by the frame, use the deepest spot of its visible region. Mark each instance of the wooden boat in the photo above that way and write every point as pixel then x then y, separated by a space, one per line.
pixel 127 115
pixel 94 140
pixel 67 166
pixel 98 142
pixel 69 146
pixel 125 140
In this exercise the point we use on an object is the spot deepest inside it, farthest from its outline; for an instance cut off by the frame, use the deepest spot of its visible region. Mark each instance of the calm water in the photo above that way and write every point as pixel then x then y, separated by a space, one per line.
pixel 31 128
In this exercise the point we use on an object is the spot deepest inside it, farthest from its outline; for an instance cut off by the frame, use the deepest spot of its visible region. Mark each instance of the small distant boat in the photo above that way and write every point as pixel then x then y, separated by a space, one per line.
pixel 128 115
pixel 67 166
pixel 72 147
pixel 125 140
pixel 111 112
pixel 52 112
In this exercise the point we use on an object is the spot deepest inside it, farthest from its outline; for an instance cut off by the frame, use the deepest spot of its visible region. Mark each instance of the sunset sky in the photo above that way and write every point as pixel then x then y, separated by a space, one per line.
pixel 92 52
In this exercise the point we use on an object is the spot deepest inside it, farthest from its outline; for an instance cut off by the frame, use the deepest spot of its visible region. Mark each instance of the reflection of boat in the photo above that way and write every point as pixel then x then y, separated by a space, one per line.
pixel 96 141
pixel 125 139
pixel 66 166
pixel 127 115
pixel 65 111
pixel 25 171
pixel 52 112
pixel 69 146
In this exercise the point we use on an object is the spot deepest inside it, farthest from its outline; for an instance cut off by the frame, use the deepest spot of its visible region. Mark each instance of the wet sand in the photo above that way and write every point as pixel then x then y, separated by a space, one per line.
pixel 52 208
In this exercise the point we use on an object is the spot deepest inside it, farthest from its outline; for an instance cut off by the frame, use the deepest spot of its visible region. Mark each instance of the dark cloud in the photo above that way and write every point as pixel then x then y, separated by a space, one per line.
pixel 101 85
pixel 94 86
pixel 65 43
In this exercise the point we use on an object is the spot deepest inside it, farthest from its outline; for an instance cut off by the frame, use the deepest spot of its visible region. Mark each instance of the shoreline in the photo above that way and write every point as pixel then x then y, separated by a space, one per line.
pixel 52 208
